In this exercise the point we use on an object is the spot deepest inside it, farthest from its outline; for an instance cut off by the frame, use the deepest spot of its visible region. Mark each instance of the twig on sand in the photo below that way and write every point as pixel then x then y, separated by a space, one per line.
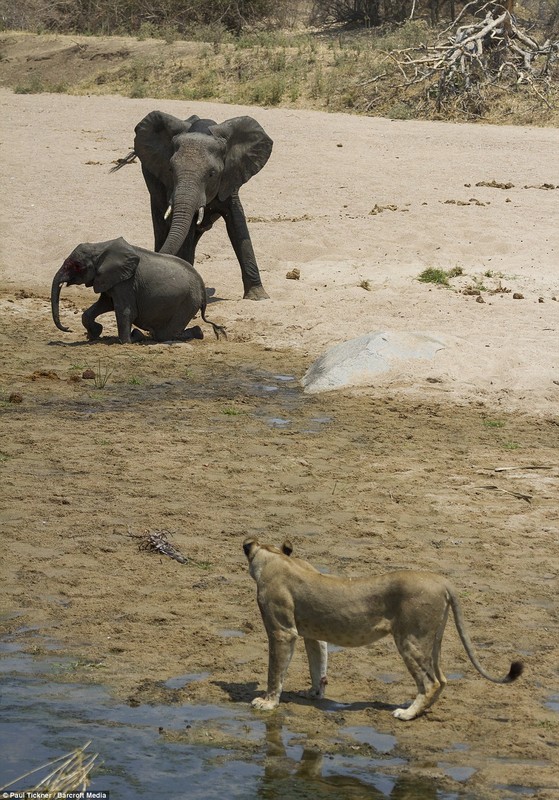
pixel 520 495
pixel 157 542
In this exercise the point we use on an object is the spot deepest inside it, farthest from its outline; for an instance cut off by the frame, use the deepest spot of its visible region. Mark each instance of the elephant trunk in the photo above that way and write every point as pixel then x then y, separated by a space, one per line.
pixel 188 202
pixel 60 278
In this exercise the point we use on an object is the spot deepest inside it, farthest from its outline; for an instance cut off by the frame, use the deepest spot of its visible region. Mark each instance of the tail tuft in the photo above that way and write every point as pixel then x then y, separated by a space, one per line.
pixel 122 162
pixel 515 671
pixel 219 330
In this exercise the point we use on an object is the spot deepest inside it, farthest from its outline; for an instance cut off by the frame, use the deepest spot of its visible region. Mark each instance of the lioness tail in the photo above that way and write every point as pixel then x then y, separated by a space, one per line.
pixel 516 667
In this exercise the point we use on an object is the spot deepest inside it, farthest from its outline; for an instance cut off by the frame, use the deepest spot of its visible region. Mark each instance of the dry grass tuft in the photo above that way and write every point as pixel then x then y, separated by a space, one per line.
pixel 71 774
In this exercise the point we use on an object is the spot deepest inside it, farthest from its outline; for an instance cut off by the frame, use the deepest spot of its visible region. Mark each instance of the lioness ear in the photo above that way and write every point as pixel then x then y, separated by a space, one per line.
pixel 248 546
pixel 287 548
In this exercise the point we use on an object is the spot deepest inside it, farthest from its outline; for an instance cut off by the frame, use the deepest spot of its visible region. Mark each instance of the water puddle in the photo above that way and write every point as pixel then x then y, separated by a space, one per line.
pixel 280 395
pixel 459 774
pixel 381 742
pixel 390 677
pixel 176 750
pixel 228 385
pixel 278 422
pixel 182 680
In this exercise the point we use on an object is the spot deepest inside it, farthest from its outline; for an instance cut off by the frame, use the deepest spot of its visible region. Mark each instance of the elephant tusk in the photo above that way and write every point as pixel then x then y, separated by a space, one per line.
pixel 200 215
pixel 168 212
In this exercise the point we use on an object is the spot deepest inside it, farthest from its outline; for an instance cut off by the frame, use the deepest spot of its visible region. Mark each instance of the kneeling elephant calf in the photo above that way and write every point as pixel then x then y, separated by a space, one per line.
pixel 157 293
pixel 297 600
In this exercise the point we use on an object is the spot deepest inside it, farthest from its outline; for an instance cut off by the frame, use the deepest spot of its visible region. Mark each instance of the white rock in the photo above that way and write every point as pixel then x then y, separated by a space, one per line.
pixel 360 360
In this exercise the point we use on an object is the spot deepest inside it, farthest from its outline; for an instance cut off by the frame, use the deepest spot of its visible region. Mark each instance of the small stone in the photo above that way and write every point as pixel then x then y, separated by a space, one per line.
pixel 88 375
pixel 293 274
pixel 540 300
pixel 479 299
pixel 15 398
pixel 518 296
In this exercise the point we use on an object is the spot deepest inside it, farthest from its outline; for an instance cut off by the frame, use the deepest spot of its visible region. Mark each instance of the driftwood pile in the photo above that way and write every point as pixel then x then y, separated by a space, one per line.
pixel 466 59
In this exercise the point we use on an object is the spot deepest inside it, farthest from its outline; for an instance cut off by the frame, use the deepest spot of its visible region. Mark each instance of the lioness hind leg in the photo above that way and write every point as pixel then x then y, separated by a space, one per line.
pixel 317 653
pixel 418 658
pixel 422 658
pixel 281 647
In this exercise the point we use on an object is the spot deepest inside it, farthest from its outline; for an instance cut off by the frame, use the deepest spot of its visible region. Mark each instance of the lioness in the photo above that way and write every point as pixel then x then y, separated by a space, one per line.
pixel 297 600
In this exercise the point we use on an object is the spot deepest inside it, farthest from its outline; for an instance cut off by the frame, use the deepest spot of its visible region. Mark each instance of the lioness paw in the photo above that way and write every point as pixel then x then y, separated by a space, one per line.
pixel 404 713
pixel 265 703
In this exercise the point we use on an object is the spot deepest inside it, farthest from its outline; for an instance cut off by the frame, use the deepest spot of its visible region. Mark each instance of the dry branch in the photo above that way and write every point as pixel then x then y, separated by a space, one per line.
pixel 461 64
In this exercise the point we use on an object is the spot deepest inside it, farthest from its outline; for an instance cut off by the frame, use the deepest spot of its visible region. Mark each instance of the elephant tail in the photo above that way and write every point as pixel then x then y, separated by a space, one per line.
pixel 122 162
pixel 219 330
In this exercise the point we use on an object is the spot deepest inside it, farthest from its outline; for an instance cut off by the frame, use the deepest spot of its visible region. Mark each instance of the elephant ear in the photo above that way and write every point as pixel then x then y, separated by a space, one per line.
pixel 248 149
pixel 153 143
pixel 116 263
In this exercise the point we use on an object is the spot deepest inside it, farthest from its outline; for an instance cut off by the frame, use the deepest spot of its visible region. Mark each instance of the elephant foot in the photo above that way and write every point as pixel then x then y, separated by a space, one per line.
pixel 256 293
pixel 137 336
pixel 93 330
pixel 188 334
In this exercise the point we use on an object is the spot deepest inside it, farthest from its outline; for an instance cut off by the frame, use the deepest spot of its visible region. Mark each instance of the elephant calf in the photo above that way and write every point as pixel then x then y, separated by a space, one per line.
pixel 157 293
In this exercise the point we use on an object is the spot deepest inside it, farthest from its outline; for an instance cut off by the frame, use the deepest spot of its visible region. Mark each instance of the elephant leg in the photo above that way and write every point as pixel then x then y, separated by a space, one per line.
pixel 188 249
pixel 124 319
pixel 101 306
pixel 137 336
pixel 237 230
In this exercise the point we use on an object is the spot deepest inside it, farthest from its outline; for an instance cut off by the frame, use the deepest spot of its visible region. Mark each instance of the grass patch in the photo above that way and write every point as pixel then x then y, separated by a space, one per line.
pixel 441 277
pixel 352 70
pixel 102 375
pixel 37 86
pixel 493 423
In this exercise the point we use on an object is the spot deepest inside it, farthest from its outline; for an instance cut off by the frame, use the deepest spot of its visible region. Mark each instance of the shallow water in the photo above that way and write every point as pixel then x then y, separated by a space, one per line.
pixel 194 751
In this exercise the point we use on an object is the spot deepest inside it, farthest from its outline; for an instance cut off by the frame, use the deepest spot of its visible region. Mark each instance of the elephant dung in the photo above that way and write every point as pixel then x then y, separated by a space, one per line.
pixel 359 361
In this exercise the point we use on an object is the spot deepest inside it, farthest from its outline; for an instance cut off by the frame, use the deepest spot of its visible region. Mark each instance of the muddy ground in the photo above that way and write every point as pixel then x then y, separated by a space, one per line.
pixel 192 439
pixel 450 465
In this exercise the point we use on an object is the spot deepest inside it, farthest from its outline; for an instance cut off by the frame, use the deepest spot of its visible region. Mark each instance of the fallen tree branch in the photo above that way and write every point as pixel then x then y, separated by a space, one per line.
pixel 478 55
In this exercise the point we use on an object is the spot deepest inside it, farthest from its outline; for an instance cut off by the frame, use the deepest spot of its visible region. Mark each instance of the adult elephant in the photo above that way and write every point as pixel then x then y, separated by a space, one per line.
pixel 194 169
pixel 156 292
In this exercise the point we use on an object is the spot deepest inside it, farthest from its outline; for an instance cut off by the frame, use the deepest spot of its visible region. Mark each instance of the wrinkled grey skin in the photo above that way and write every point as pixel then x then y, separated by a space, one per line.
pixel 194 169
pixel 157 293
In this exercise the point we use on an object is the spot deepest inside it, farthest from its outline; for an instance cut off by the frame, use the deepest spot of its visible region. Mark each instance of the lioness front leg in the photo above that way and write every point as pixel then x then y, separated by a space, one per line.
pixel 317 653
pixel 281 646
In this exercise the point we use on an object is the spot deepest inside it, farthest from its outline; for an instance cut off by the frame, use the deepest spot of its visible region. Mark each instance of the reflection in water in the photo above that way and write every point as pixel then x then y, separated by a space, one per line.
pixel 177 750
pixel 304 772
